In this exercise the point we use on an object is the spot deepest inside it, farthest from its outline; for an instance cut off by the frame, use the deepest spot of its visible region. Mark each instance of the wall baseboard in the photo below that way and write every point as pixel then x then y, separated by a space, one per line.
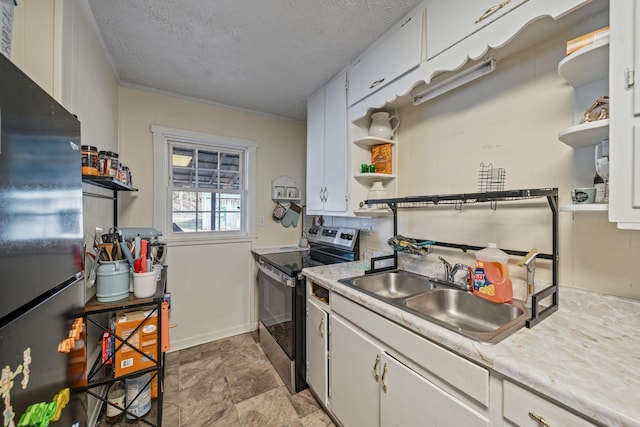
pixel 213 336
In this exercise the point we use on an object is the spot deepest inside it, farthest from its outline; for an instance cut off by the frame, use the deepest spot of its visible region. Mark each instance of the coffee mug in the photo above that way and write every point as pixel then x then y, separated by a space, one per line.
pixel 583 196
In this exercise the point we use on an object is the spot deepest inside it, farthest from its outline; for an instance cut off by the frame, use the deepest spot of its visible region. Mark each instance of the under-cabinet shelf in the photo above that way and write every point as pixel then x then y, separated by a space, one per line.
pixel 586 65
pixel 591 207
pixel 585 134
pixel 369 141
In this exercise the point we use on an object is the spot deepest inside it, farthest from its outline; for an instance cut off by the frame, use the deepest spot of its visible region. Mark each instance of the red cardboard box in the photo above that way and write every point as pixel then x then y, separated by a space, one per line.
pixel 145 338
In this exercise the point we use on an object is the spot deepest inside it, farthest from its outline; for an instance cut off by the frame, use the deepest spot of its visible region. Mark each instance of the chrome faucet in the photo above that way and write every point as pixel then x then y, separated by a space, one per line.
pixel 450 273
pixel 529 261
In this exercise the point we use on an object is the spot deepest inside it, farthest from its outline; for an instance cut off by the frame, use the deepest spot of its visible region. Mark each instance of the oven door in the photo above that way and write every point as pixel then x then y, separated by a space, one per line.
pixel 276 308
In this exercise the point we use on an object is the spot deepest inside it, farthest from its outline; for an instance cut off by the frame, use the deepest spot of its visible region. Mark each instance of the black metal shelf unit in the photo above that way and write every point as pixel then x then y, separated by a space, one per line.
pixel 110 183
pixel 538 312
pixel 101 373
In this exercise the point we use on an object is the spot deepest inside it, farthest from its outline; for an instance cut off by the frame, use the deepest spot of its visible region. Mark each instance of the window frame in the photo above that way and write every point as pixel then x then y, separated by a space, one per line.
pixel 163 138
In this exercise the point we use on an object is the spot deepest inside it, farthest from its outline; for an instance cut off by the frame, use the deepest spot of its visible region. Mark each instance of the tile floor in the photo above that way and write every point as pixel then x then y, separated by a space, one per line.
pixel 230 382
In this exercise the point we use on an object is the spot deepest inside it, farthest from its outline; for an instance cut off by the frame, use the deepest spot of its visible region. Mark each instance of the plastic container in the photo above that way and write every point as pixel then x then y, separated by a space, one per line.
pixel 115 396
pixel 491 280
pixel 112 281
pixel 145 284
pixel 138 395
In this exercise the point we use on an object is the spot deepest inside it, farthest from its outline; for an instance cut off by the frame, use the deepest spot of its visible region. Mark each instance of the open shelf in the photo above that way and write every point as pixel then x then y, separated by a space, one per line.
pixel 585 134
pixel 586 65
pixel 591 207
pixel 370 177
pixel 369 141
pixel 107 182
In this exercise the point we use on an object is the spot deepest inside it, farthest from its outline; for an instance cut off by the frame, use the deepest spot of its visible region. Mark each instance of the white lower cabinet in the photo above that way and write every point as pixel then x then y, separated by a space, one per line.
pixel 524 408
pixel 317 350
pixel 370 386
pixel 355 390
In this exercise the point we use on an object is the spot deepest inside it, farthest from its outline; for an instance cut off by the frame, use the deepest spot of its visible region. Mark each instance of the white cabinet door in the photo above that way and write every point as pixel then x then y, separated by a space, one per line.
pixel 327 149
pixel 335 148
pixel 354 370
pixel 317 350
pixel 624 128
pixel 523 408
pixel 635 10
pixel 396 55
pixel 410 400
pixel 448 22
pixel 315 151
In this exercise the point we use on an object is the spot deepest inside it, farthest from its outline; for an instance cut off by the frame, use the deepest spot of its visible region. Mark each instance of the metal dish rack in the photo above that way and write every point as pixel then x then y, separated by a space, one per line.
pixel 538 313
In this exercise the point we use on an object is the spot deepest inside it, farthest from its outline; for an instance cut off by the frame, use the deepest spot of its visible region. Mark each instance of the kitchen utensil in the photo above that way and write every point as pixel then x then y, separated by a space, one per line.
pixel 381 125
pixel 127 253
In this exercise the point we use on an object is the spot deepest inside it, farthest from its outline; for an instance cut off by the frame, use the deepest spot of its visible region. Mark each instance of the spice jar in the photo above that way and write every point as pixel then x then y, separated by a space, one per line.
pixel 103 163
pixel 114 164
pixel 90 160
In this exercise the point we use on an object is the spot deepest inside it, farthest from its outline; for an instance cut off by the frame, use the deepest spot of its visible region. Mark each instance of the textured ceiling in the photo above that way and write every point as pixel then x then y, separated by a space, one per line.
pixel 261 55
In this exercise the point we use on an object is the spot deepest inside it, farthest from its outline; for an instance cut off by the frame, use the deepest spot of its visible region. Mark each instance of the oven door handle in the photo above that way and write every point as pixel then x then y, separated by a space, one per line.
pixel 290 283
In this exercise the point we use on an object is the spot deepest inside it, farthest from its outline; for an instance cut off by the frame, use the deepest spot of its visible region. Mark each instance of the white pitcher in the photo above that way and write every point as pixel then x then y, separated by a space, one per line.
pixel 381 125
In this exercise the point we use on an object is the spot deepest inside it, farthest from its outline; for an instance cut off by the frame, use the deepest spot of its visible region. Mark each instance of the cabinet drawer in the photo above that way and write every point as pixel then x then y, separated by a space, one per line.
pixel 519 403
pixel 465 376
pixel 448 22
pixel 396 55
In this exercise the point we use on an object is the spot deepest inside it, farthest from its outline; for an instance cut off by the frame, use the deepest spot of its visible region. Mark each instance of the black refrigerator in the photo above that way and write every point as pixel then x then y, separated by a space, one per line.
pixel 42 295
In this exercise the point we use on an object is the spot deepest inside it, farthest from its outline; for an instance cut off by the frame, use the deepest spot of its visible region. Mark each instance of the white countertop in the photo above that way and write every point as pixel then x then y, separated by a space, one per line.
pixel 586 355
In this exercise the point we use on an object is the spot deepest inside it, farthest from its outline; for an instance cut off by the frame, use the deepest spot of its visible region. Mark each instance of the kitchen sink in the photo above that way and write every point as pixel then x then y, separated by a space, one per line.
pixel 393 284
pixel 444 303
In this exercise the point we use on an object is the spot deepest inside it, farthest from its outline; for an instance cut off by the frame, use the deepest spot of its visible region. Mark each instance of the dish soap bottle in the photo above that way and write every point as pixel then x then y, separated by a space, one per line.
pixel 491 280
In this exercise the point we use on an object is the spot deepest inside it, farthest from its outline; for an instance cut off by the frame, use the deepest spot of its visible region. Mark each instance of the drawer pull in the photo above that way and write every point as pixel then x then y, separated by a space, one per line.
pixel 377 82
pixel 375 368
pixel 539 419
pixel 384 372
pixel 492 10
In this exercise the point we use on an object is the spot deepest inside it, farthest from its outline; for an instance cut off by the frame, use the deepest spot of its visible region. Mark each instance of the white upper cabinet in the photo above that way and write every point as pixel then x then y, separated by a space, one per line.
pixel 624 133
pixel 327 149
pixel 451 21
pixel 398 53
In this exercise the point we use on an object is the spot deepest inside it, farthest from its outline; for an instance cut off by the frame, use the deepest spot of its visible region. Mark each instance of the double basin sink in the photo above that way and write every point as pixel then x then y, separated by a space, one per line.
pixel 444 303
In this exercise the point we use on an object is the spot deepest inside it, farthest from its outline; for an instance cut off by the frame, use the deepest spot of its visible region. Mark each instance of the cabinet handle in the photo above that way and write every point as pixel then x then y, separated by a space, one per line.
pixel 375 368
pixel 492 10
pixel 539 419
pixel 321 328
pixel 326 194
pixel 384 372
pixel 321 190
pixel 376 83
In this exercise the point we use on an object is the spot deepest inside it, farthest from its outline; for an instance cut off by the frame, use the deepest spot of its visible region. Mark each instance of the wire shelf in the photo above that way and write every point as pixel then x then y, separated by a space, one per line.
pixel 466 198
pixel 490 178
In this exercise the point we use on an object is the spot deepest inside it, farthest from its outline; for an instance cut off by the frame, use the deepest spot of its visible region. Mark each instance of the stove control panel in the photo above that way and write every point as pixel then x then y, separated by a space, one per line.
pixel 342 237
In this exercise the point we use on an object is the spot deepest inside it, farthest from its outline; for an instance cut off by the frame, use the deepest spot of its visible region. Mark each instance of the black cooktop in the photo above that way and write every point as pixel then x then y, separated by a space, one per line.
pixel 290 263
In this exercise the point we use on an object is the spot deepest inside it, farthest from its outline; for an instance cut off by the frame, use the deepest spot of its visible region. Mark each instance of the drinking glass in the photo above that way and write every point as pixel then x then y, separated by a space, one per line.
pixel 602 165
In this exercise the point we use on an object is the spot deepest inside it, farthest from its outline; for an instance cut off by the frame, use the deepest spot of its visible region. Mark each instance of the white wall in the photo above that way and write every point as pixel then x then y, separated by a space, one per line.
pixel 212 285
pixel 510 118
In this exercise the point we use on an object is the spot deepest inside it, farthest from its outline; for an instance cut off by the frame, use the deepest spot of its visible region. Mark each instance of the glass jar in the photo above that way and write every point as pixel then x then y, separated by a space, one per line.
pixel 103 163
pixel 114 164
pixel 90 160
